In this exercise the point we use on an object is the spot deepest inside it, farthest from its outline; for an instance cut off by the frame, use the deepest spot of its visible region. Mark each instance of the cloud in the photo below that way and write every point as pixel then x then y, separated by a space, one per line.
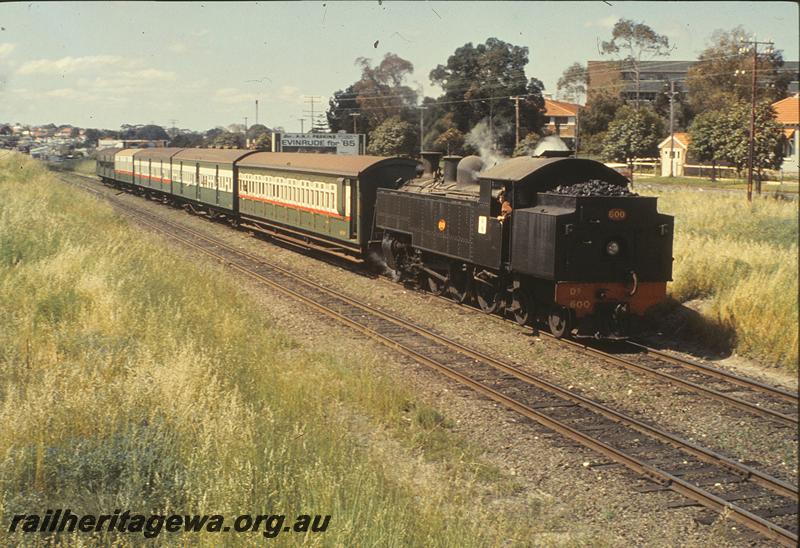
pixel 151 75
pixel 290 94
pixel 67 65
pixel 603 23
pixel 178 47
pixel 231 96
pixel 66 93
pixel 71 94
pixel 6 49
pixel 127 81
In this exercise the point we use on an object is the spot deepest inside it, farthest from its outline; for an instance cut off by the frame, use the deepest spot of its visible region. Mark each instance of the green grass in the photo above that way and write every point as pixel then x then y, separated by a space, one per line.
pixel 737 262
pixel 133 378
pixel 788 185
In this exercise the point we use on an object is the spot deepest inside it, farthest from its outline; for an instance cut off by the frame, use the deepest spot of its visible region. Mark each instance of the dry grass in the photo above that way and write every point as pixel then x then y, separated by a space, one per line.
pixel 737 263
pixel 131 378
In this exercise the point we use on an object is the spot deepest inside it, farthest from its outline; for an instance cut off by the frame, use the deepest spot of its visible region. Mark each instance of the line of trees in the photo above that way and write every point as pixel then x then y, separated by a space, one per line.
pixel 477 81
pixel 713 104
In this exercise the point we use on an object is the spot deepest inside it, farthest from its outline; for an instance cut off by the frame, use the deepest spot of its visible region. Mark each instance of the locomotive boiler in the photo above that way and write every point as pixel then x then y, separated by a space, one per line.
pixel 556 239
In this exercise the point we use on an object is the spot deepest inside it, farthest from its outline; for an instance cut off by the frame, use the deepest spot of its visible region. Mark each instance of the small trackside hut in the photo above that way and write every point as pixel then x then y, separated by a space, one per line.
pixel 322 200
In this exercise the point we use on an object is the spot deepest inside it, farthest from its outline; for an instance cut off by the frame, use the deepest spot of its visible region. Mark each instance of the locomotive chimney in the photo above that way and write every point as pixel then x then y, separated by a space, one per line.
pixel 468 169
pixel 451 168
pixel 430 162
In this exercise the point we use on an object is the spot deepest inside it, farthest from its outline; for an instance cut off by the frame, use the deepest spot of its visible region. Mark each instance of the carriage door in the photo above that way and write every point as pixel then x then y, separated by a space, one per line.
pixel 216 185
pixel 351 206
pixel 197 179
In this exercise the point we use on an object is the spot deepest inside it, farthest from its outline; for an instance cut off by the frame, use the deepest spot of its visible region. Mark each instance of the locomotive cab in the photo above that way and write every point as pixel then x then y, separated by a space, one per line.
pixel 585 253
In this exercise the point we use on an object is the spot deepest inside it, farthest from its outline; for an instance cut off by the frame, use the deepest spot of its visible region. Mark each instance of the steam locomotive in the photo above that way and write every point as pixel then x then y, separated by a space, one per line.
pixel 519 238
pixel 552 238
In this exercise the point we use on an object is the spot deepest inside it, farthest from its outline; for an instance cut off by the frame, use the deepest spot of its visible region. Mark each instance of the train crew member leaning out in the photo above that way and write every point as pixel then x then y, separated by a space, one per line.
pixel 505 206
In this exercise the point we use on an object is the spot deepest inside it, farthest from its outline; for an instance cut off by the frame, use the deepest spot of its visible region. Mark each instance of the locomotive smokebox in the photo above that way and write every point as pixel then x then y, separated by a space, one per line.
pixel 430 162
pixel 451 168
pixel 468 169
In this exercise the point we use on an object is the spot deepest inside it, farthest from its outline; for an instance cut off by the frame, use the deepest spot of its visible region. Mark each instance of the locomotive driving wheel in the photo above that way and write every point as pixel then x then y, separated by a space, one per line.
pixel 560 321
pixel 458 283
pixel 487 295
pixel 435 285
pixel 521 306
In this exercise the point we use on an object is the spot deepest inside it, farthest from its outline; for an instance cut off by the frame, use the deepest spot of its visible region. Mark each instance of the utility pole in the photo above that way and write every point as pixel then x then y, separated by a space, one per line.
pixel 311 100
pixel 174 129
pixel 672 93
pixel 301 120
pixel 256 111
pixel 752 143
pixel 421 117
pixel 245 125
pixel 491 125
pixel 516 99
pixel 355 116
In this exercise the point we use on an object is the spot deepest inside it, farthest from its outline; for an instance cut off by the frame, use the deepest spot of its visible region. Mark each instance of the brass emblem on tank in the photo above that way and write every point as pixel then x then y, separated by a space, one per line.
pixel 617 214
pixel 442 225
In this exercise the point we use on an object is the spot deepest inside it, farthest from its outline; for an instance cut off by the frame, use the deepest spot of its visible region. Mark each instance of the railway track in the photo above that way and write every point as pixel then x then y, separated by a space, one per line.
pixel 769 402
pixel 761 502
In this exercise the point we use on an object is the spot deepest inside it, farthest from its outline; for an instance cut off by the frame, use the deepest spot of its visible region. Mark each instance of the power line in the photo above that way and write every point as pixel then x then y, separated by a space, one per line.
pixel 751 144
pixel 312 99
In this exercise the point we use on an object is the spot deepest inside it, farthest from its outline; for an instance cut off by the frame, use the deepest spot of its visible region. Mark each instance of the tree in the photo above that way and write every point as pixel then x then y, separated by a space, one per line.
pixel 263 142
pixel 212 133
pixel 707 138
pixel 767 152
pixel 393 137
pixel 526 145
pixel 256 130
pixel 573 82
pixel 600 110
pixel 681 111
pixel 378 95
pixel 634 43
pixel 713 82
pixel 187 140
pixel 149 132
pixel 340 106
pixel 450 141
pixel 634 133
pixel 228 139
pixel 478 81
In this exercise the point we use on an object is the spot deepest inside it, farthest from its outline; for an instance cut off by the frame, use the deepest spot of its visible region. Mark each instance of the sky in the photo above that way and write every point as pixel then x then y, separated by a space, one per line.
pixel 103 64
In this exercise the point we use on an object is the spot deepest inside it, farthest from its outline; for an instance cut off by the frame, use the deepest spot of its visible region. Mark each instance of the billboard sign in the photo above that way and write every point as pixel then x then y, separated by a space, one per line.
pixel 331 143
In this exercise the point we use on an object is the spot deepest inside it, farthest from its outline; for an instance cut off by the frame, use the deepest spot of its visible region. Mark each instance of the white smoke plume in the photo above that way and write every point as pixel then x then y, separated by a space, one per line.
pixel 480 137
pixel 550 142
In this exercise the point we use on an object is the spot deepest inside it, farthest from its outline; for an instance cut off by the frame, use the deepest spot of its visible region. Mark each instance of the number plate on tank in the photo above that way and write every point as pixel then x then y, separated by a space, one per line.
pixel 617 214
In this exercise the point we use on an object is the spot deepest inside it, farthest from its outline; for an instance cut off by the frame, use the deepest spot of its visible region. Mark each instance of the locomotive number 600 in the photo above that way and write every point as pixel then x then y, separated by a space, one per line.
pixel 617 214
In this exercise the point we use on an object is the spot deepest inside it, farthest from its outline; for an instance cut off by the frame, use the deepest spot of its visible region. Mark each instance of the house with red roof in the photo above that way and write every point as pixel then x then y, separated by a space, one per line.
pixel 561 119
pixel 673 152
pixel 787 114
